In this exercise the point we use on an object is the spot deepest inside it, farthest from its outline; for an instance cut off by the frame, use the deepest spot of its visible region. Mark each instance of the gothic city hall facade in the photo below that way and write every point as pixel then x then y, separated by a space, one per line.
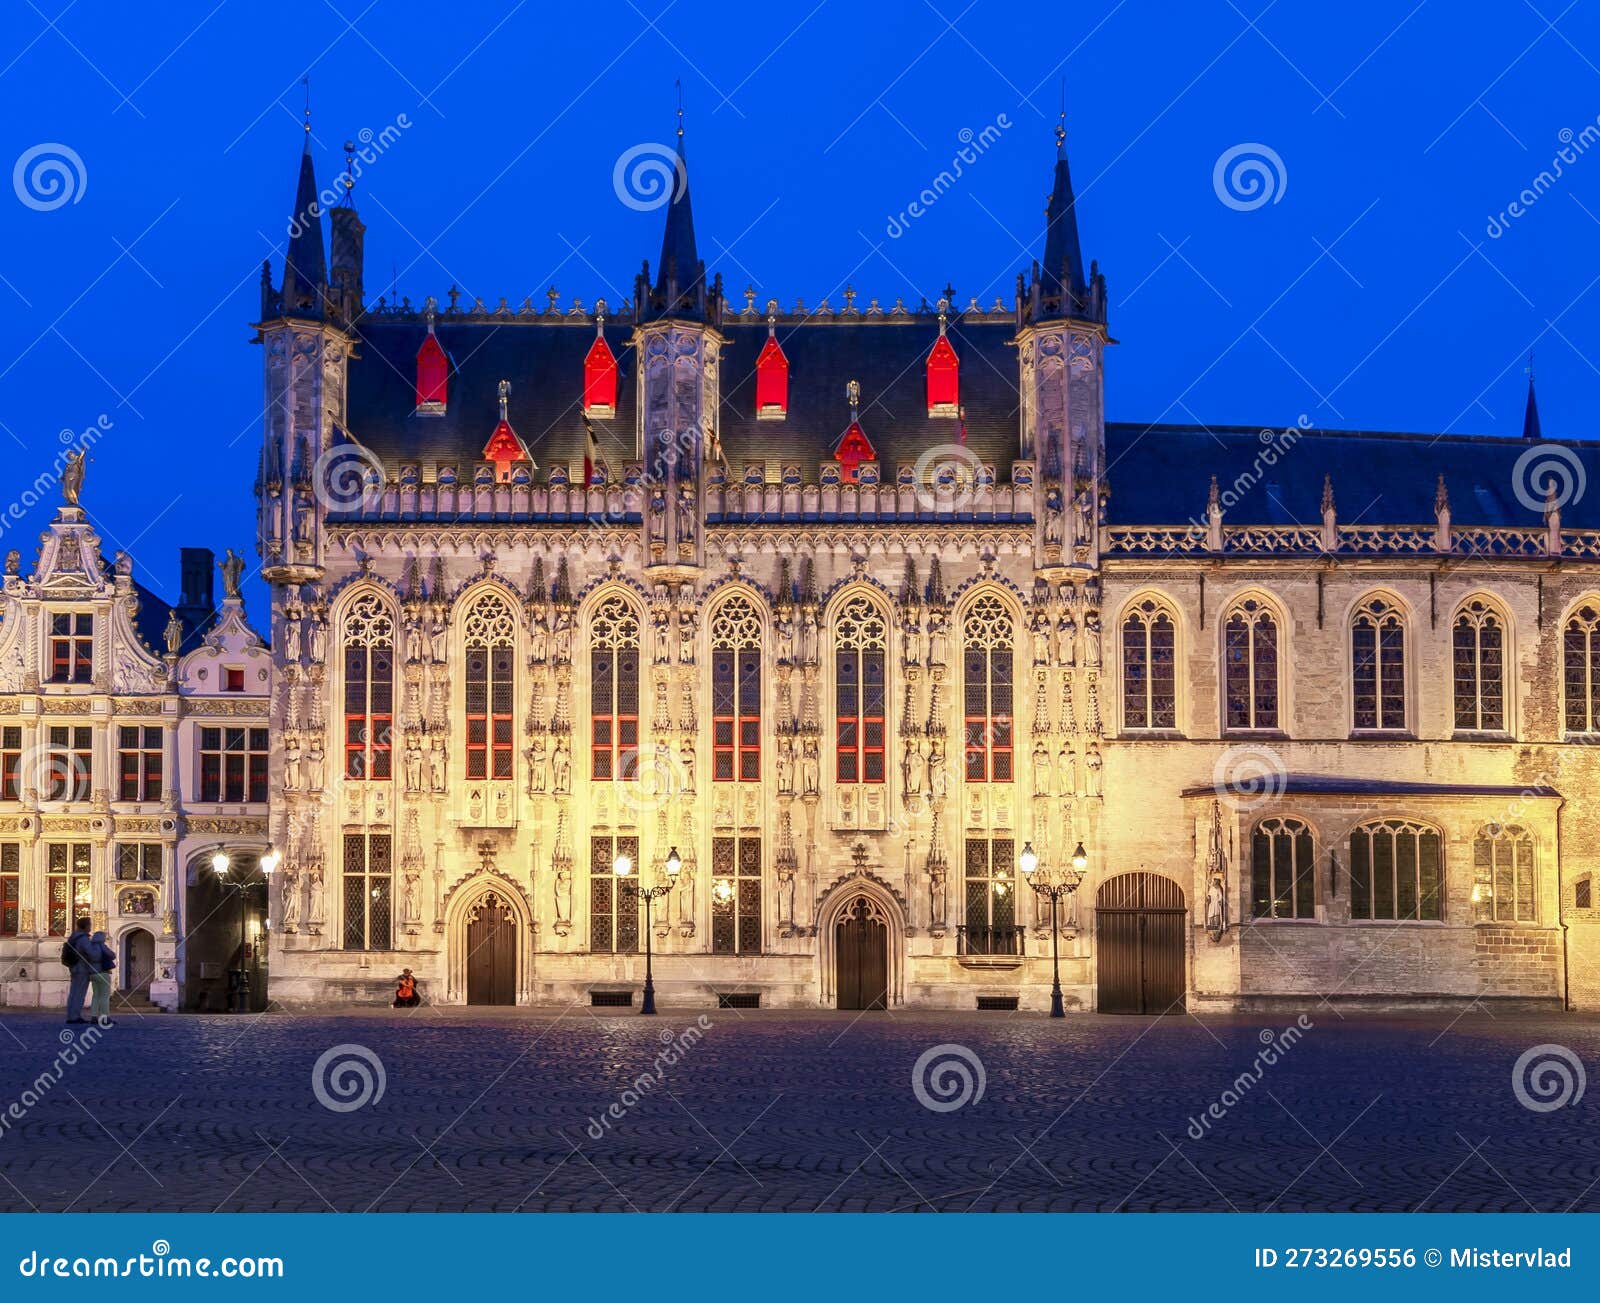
pixel 847 656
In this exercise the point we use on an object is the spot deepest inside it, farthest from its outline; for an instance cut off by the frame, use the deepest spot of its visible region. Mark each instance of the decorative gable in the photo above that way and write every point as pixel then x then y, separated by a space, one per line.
pixel 772 380
pixel 944 382
pixel 854 448
pixel 599 379
pixel 433 373
pixel 504 447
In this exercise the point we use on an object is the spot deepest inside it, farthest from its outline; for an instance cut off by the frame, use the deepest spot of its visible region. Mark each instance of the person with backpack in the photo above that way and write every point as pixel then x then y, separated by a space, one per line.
pixel 79 959
pixel 100 980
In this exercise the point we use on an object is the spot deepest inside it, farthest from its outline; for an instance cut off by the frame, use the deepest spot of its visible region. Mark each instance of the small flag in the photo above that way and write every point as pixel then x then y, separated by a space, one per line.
pixel 592 459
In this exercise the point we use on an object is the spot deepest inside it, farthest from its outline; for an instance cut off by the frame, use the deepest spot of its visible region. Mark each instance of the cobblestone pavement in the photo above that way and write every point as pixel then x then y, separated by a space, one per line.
pixel 733 1110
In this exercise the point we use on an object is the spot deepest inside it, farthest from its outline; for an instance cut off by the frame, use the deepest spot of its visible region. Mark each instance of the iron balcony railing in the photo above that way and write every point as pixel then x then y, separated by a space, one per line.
pixel 989 939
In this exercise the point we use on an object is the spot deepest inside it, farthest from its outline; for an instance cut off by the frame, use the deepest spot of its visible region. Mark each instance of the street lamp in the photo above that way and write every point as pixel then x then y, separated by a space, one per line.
pixel 221 865
pixel 1028 862
pixel 622 866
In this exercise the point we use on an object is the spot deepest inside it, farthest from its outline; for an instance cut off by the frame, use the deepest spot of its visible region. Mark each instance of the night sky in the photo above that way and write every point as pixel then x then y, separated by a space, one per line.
pixel 1367 293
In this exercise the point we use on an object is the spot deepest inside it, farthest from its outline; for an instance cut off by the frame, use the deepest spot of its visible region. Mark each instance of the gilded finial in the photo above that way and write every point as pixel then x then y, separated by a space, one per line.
pixel 349 177
pixel 306 82
pixel 679 85
pixel 505 397
pixel 852 394
pixel 1061 124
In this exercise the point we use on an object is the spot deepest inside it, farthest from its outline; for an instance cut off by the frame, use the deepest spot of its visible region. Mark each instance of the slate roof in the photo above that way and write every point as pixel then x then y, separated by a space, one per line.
pixel 1160 474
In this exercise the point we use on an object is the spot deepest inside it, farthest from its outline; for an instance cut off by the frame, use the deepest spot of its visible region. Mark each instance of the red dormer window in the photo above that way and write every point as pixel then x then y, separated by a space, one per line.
pixel 433 375
pixel 853 449
pixel 944 379
pixel 504 447
pixel 772 382
pixel 599 380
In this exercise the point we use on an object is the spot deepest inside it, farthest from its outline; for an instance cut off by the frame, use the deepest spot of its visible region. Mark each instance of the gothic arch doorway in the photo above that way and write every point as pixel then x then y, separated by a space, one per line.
pixel 861 955
pixel 1139 944
pixel 491 939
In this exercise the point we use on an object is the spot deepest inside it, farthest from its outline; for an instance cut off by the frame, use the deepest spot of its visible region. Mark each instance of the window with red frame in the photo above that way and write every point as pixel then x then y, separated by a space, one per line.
pixel 489 636
pixel 72 647
pixel 433 375
pixel 233 764
pixel 944 383
pixel 139 754
pixel 988 673
pixel 66 885
pixel 10 888
pixel 599 380
pixel 772 381
pixel 860 691
pixel 736 693
pixel 10 763
pixel 368 689
pixel 69 764
pixel 614 691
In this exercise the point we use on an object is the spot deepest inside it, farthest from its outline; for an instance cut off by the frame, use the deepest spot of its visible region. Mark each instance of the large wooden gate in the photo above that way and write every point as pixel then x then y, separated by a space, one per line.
pixel 862 945
pixel 491 952
pixel 1139 927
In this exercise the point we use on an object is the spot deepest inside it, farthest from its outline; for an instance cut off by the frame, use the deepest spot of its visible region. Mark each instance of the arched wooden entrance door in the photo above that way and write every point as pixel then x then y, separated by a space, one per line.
pixel 861 945
pixel 138 960
pixel 1139 927
pixel 491 951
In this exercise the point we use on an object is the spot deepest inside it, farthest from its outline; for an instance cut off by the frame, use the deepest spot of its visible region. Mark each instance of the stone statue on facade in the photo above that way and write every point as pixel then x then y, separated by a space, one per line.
pixel 439 637
pixel 561 765
pixel 289 898
pixel 316 915
pixel 316 770
pixel 317 634
pixel 436 765
pixel 537 776
pixel 938 778
pixel 785 763
pixel 1067 640
pixel 232 567
pixel 173 633
pixel 1092 765
pixel 291 762
pixel 413 763
pixel 72 477
pixel 1091 640
pixel 911 768
pixel 810 767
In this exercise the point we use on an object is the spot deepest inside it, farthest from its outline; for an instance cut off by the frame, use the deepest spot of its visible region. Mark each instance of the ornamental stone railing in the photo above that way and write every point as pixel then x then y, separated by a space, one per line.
pixel 1376 540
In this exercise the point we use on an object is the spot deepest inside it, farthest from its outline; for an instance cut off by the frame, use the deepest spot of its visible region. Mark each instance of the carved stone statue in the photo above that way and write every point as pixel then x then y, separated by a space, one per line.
pixel 1041 768
pixel 1091 640
pixel 561 639
pixel 938 778
pixel 1092 765
pixel 173 633
pixel 1067 640
pixel 291 635
pixel 911 768
pixel 786 646
pixel 1216 908
pixel 232 567
pixel 537 773
pixel 439 637
pixel 1041 638
pixel 1067 771
pixel 811 767
pixel 685 636
pixel 436 765
pixel 13 562
pixel 561 763
pixel 72 477
pixel 318 911
pixel 563 888
pixel 938 639
pixel 538 633
pixel 1052 517
pixel 291 762
pixel 686 513
pixel 413 763
pixel 785 763
pixel 318 635
pixel 413 899
pixel 810 636
pixel 316 770
pixel 686 761
pixel 289 898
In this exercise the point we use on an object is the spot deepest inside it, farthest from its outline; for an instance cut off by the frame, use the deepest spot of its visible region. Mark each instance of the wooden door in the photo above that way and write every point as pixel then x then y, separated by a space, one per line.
pixel 491 953
pixel 138 960
pixel 1139 927
pixel 862 943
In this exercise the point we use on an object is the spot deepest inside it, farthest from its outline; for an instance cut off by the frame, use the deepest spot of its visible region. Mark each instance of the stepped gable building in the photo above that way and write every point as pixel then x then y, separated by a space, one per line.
pixel 126 733
pixel 840 610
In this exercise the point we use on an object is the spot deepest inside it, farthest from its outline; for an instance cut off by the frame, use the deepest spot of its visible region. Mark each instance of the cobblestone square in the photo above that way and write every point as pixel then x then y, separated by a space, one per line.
pixel 731 1110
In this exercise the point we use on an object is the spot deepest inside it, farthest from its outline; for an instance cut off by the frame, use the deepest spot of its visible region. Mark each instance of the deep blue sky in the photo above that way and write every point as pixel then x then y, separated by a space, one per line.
pixel 1369 295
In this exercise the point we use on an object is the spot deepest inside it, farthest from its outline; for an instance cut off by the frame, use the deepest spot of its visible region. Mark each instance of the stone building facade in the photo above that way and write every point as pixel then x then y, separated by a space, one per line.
pixel 110 703
pixel 840 610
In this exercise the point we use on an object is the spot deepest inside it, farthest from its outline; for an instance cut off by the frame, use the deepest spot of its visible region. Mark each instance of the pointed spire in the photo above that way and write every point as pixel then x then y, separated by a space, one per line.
pixel 1061 277
pixel 305 268
pixel 680 275
pixel 1530 416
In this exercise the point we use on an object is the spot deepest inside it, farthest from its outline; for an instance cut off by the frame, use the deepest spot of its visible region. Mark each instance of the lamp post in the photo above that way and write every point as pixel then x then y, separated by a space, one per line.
pixel 622 866
pixel 1047 885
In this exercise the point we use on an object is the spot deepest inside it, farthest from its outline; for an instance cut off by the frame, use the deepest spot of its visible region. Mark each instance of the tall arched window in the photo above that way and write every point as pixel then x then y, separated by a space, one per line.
pixel 1283 878
pixel 368 636
pixel 1478 644
pixel 489 637
pixel 1149 667
pixel 1580 670
pixel 1396 871
pixel 736 692
pixel 1250 666
pixel 1378 665
pixel 1502 875
pixel 987 642
pixel 614 690
pixel 861 639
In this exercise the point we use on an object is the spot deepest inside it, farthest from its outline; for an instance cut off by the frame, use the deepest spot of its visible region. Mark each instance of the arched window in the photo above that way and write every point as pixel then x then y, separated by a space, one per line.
pixel 368 637
pixel 1378 665
pixel 1149 667
pixel 861 637
pixel 1502 875
pixel 1580 670
pixel 1396 871
pixel 1250 666
pixel 614 690
pixel 987 640
pixel 1478 641
pixel 489 638
pixel 736 692
pixel 1283 876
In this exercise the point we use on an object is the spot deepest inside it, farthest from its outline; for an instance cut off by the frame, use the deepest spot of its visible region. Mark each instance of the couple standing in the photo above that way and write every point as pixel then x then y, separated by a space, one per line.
pixel 90 961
